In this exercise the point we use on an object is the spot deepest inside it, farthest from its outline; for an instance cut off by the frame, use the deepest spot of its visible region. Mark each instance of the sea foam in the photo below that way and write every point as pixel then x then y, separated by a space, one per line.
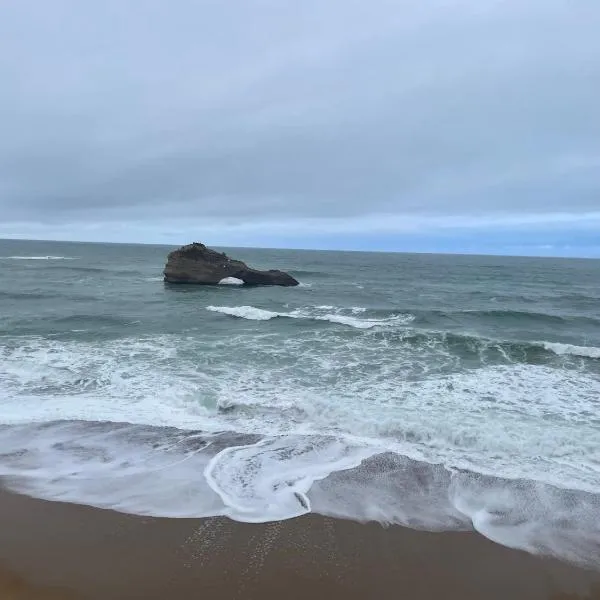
pixel 316 314
pixel 245 312
pixel 569 349
pixel 383 428
pixel 231 281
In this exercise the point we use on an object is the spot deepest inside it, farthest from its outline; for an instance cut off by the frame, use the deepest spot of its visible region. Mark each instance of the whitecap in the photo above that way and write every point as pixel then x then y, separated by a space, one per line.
pixel 365 323
pixel 231 281
pixel 258 314
pixel 569 349
pixel 270 480
pixel 245 312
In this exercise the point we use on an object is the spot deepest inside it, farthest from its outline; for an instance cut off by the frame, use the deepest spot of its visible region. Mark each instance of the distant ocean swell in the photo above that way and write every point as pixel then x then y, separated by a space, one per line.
pixel 396 326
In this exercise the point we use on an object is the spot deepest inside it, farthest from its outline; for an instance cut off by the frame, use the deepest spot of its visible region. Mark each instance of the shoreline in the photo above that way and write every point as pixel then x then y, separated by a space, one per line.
pixel 58 551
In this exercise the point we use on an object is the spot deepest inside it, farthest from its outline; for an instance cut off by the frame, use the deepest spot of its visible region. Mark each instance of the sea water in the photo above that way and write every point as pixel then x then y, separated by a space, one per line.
pixel 432 391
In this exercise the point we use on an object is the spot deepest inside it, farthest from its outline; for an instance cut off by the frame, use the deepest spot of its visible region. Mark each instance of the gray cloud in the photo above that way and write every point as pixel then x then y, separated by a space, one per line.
pixel 251 112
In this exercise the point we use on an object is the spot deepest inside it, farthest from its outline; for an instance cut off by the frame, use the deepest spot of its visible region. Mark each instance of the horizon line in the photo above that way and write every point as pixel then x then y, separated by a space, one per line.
pixel 371 251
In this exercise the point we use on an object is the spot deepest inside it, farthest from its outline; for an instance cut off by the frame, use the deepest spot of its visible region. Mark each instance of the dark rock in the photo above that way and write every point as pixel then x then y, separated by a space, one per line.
pixel 196 263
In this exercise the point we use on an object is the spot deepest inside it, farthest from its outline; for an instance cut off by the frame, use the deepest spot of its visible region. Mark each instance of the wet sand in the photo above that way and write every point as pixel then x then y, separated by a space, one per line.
pixel 50 550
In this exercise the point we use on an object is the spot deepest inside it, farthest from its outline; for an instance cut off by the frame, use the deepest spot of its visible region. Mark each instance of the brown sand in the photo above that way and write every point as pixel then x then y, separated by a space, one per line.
pixel 58 551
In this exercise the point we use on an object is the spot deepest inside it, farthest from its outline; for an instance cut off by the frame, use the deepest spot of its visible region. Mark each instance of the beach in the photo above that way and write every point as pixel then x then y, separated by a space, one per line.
pixel 226 442
pixel 53 550
pixel 300 300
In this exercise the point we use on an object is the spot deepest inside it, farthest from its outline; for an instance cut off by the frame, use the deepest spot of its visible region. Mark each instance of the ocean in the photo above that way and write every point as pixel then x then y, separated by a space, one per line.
pixel 436 392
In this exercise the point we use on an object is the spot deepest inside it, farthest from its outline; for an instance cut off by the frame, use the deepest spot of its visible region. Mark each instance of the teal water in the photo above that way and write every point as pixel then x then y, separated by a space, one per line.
pixel 438 392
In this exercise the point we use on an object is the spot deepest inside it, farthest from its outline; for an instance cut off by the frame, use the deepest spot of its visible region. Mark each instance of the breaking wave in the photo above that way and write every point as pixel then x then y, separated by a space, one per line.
pixel 336 425
pixel 168 472
pixel 570 349
pixel 404 390
pixel 317 314
pixel 487 349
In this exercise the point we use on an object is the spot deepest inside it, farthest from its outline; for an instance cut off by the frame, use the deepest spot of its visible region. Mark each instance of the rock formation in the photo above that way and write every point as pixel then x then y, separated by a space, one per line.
pixel 195 263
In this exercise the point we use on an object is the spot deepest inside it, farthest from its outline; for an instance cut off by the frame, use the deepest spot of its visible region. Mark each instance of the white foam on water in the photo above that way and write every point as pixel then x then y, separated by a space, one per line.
pixel 121 467
pixel 518 420
pixel 269 480
pixel 37 258
pixel 390 489
pixel 365 323
pixel 569 349
pixel 322 416
pixel 530 516
pixel 352 321
pixel 258 314
pixel 135 381
pixel 231 281
pixel 245 312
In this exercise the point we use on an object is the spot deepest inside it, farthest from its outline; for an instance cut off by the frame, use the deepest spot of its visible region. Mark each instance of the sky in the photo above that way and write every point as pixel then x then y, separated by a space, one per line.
pixel 411 125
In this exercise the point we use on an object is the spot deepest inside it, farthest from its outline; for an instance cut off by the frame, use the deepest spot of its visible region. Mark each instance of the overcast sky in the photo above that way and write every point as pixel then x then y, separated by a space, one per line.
pixel 465 125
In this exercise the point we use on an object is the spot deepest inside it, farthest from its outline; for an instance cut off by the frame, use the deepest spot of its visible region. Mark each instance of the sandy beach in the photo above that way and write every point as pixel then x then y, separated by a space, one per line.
pixel 51 550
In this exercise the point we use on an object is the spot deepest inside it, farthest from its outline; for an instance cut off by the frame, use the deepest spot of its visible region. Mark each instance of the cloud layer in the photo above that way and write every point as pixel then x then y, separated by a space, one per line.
pixel 223 117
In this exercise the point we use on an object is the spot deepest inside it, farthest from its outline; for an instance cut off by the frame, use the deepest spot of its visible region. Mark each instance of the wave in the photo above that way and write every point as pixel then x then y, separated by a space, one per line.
pixel 258 314
pixel 512 350
pixel 245 312
pixel 239 425
pixel 166 472
pixel 37 258
pixel 503 315
pixel 570 349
